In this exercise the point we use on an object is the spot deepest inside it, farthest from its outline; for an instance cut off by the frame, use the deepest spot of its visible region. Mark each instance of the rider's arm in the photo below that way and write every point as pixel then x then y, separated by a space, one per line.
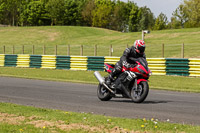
pixel 125 55
pixel 144 55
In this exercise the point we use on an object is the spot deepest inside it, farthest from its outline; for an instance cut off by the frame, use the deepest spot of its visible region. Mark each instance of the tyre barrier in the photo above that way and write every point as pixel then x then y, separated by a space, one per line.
pixel 158 66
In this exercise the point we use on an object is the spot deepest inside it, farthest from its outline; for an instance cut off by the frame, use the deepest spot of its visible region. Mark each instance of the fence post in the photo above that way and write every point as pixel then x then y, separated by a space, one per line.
pixel 22 49
pixel 182 51
pixel 95 50
pixel 44 50
pixel 4 49
pixel 142 35
pixel 33 50
pixel 163 50
pixel 68 50
pixel 56 50
pixel 111 50
pixel 13 50
pixel 81 50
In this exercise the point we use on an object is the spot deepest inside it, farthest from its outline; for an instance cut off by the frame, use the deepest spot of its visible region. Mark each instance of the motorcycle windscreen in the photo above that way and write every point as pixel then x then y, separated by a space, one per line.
pixel 143 62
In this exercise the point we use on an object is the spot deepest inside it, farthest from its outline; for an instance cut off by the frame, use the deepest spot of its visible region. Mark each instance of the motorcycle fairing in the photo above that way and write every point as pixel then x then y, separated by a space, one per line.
pixel 109 67
pixel 140 80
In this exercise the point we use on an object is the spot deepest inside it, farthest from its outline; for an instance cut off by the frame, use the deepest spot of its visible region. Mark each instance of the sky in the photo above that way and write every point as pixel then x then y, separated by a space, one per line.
pixel 157 6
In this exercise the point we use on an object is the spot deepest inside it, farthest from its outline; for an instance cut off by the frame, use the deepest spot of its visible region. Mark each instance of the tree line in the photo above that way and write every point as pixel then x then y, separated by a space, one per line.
pixel 110 14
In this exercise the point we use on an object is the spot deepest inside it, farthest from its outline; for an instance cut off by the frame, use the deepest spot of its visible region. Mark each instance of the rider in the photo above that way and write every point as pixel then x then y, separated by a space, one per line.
pixel 136 51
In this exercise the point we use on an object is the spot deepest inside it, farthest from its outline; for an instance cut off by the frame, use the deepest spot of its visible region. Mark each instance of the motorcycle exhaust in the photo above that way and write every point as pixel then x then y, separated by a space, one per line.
pixel 102 81
pixel 99 77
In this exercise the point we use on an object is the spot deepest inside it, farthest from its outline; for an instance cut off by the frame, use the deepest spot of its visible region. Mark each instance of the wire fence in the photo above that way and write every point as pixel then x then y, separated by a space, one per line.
pixel 152 51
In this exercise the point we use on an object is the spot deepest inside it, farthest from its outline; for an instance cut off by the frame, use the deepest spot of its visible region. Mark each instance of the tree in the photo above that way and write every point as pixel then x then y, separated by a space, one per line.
pixel 192 10
pixel 73 12
pixel 9 11
pixel 110 14
pixel 179 16
pixel 87 12
pixel 161 22
pixel 3 7
pixel 33 14
pixel 146 20
pixel 175 23
pixel 119 19
pixel 56 10
pixel 133 17
pixel 23 13
pixel 102 13
pixel 188 13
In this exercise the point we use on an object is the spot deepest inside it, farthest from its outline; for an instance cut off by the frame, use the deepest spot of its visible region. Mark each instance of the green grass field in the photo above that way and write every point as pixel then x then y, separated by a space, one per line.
pixel 21 119
pixel 103 38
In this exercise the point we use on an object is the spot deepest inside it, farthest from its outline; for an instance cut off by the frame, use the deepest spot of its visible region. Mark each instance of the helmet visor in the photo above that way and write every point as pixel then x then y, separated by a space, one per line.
pixel 141 49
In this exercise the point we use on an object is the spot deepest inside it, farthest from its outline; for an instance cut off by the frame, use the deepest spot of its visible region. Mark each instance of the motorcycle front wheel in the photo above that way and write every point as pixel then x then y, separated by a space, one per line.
pixel 139 95
pixel 103 94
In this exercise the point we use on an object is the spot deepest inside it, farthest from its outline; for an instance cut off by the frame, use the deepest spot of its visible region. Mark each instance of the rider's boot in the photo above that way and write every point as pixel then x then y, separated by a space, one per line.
pixel 109 80
pixel 115 72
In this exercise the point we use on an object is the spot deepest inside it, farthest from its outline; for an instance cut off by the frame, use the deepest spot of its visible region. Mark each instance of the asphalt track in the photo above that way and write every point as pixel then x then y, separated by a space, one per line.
pixel 168 106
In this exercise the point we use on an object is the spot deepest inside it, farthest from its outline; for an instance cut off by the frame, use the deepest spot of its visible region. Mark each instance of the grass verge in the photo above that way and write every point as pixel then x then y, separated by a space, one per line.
pixel 174 83
pixel 18 119
pixel 90 36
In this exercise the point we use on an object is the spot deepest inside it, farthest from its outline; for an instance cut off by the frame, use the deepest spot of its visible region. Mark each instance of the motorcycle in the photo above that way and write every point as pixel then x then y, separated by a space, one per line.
pixel 133 78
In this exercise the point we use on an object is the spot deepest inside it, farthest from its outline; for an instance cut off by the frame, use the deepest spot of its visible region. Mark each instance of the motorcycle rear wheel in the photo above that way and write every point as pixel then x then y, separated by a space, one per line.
pixel 141 93
pixel 103 94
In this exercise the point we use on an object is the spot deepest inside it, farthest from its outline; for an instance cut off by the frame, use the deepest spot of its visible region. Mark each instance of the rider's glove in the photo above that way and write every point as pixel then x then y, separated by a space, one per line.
pixel 126 64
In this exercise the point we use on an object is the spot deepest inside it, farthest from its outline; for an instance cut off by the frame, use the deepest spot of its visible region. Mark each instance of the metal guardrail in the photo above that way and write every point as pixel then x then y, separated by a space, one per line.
pixel 158 66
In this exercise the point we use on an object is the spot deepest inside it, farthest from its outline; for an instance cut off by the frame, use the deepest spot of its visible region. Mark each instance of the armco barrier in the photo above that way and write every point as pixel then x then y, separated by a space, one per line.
pixel 48 61
pixel 78 63
pixel 63 62
pixel 177 67
pixel 2 60
pixel 158 66
pixel 10 60
pixel 111 60
pixel 35 61
pixel 95 63
pixel 194 67
pixel 23 60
